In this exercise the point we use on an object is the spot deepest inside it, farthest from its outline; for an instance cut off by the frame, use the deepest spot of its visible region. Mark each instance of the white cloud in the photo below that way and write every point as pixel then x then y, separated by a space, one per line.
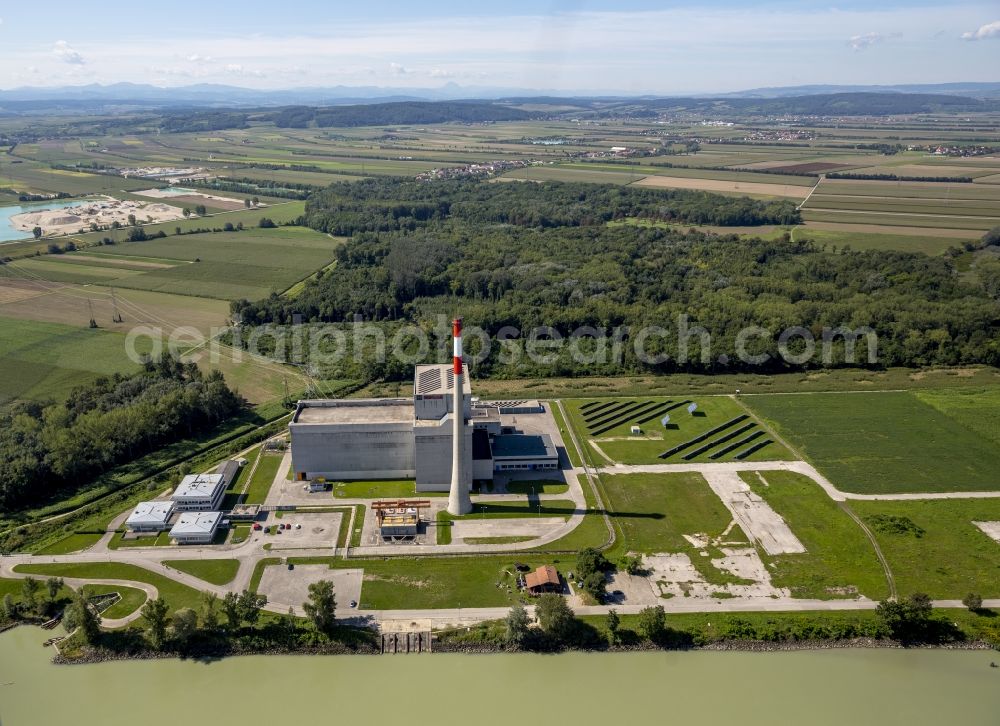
pixel 196 58
pixel 990 30
pixel 64 52
pixel 441 73
pixel 238 69
pixel 170 71
pixel 861 42
pixel 398 69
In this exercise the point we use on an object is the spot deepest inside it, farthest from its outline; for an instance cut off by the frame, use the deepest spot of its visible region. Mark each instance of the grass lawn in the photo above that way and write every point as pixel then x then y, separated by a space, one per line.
pixel 888 442
pixel 654 511
pixel 240 533
pixel 160 540
pixel 375 489
pixel 71 543
pixel 132 599
pixel 518 509
pixel 263 477
pixel 838 560
pixel 217 572
pixel 443 528
pixel 574 457
pixel 537 487
pixel 495 540
pixel 177 595
pixel 438 582
pixel 952 557
pixel 713 411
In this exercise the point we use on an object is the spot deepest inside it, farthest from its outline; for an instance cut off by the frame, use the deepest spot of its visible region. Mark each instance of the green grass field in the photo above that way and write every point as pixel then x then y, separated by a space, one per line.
pixel 654 511
pixel 537 487
pixel 177 595
pixel 224 265
pixel 431 582
pixel 217 572
pixel 975 408
pixel 619 445
pixel 375 489
pixel 865 240
pixel 517 509
pixel 908 190
pixel 160 540
pixel 885 442
pixel 952 557
pixel 132 599
pixel 71 543
pixel 902 219
pixel 839 560
pixel 46 360
pixel 263 477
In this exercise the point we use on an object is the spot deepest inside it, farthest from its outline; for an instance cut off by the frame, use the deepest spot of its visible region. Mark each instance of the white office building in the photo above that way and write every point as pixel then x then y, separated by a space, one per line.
pixel 196 527
pixel 199 492
pixel 149 516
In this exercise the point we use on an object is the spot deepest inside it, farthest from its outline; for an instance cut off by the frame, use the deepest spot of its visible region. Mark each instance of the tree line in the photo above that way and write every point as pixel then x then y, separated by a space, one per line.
pixel 48 448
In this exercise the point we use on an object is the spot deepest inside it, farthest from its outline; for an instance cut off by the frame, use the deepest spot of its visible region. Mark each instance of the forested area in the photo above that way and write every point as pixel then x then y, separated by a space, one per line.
pixel 47 447
pixel 388 204
pixel 527 255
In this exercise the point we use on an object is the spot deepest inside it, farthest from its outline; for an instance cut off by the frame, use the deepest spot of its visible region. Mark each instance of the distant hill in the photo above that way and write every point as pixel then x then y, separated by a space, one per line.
pixel 354 106
pixel 972 90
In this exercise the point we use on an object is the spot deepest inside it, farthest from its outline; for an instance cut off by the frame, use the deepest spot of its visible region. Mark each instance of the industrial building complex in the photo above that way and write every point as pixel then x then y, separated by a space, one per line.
pixel 420 438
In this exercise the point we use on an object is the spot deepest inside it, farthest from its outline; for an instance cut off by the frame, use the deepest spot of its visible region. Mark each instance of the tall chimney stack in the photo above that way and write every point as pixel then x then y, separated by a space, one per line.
pixel 459 502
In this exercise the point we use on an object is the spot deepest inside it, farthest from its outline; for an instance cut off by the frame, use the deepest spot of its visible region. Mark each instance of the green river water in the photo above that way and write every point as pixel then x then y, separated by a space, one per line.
pixel 854 687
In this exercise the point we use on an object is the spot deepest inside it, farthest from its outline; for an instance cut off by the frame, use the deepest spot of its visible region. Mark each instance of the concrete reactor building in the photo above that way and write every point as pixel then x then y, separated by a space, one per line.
pixel 442 437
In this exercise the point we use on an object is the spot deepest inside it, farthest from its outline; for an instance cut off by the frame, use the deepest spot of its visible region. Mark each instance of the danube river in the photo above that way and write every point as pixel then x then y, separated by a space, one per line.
pixel 856 687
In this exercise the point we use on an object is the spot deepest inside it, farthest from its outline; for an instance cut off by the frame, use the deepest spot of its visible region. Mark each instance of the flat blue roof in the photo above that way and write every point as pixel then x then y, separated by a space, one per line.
pixel 523 446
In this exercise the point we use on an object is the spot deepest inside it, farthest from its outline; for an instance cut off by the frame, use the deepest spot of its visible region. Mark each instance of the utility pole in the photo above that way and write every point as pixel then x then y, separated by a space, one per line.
pixel 116 316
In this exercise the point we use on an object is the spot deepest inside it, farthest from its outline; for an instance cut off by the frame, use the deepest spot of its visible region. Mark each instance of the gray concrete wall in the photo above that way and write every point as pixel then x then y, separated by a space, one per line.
pixel 353 452
pixel 432 446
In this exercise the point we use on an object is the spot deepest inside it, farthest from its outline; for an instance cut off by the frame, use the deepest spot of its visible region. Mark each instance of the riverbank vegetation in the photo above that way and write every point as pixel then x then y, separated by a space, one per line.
pixel 908 622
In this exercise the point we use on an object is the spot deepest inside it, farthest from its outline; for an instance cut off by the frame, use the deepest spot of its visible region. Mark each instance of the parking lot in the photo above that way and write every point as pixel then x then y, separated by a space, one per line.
pixel 290 588
pixel 307 530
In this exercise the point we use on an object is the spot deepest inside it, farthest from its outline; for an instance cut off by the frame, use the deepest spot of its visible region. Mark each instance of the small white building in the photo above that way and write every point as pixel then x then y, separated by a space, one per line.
pixel 149 516
pixel 196 527
pixel 199 492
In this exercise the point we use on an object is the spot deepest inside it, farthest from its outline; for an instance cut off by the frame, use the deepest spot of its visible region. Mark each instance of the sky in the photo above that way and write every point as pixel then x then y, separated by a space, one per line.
pixel 627 47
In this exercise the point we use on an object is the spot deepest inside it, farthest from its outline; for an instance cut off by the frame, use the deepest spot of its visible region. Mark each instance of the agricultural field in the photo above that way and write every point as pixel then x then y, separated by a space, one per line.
pixel 714 185
pixel 35 178
pixel 893 441
pixel 223 265
pixel 719 429
pixel 46 360
pixel 935 547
